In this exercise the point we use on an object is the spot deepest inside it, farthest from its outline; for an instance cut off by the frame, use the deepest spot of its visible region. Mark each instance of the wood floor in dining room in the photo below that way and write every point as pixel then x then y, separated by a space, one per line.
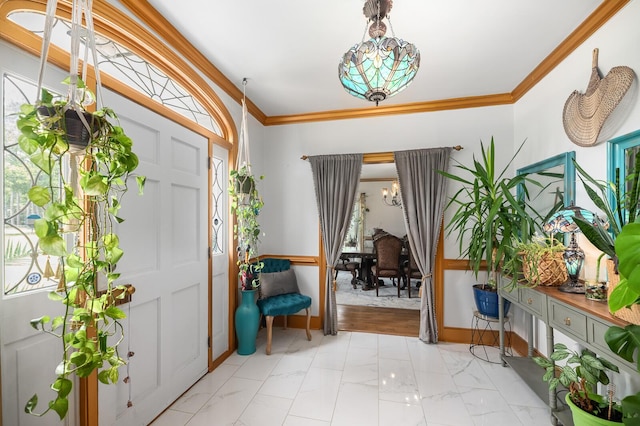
pixel 369 319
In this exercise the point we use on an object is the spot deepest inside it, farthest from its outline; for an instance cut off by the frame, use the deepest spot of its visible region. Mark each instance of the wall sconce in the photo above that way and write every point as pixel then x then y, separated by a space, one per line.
pixel 392 199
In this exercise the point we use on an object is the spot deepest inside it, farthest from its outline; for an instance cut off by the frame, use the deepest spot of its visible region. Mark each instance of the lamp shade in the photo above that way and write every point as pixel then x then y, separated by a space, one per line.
pixel 562 221
pixel 379 68
pixel 382 66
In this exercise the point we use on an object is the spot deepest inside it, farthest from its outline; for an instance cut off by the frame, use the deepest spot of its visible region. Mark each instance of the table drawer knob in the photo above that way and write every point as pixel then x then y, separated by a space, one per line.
pixel 529 301
pixel 567 321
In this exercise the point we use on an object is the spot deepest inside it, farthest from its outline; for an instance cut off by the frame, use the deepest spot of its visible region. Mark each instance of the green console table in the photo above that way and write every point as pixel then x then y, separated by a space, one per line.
pixel 582 320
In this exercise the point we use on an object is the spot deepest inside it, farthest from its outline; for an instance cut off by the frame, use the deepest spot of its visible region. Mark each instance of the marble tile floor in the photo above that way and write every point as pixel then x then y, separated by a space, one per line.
pixel 357 379
pixel 387 294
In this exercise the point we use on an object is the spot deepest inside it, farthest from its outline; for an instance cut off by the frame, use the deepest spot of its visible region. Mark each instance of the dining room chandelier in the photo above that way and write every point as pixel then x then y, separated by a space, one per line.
pixel 381 67
pixel 392 198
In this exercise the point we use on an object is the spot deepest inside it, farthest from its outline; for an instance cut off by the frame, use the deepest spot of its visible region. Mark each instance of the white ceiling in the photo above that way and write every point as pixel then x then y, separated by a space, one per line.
pixel 290 49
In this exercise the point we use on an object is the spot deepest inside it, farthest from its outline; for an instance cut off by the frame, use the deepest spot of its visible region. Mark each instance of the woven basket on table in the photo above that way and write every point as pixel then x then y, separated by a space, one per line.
pixel 632 314
pixel 548 270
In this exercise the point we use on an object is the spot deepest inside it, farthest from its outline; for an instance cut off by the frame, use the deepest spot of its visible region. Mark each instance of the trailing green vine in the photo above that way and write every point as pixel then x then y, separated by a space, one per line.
pixel 246 204
pixel 80 211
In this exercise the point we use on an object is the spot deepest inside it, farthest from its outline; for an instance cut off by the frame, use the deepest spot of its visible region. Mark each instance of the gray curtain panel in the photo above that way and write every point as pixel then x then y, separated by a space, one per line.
pixel 335 179
pixel 423 192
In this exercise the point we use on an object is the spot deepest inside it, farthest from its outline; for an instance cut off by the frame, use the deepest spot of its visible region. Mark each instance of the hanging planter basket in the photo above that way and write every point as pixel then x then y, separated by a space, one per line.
pixel 73 129
pixel 245 184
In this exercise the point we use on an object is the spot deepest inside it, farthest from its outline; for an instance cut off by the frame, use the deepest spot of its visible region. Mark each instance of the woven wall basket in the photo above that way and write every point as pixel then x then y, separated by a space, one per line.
pixel 593 116
pixel 630 315
pixel 549 270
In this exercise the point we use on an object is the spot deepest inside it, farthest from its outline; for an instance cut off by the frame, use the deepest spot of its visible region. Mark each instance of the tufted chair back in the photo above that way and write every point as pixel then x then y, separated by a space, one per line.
pixel 275 265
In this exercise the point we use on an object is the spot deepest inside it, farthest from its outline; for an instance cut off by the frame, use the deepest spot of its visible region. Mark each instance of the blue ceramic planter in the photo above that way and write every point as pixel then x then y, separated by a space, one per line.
pixel 247 323
pixel 487 301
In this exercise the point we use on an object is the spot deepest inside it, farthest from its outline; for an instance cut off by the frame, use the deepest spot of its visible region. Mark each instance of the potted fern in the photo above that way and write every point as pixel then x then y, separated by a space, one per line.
pixel 77 227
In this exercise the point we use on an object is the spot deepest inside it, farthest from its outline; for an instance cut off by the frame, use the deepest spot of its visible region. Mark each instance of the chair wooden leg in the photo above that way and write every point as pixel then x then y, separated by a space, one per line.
pixel 375 277
pixel 269 333
pixel 308 324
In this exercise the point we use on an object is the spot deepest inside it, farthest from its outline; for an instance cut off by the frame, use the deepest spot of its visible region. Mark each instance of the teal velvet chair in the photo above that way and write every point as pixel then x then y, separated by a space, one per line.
pixel 279 295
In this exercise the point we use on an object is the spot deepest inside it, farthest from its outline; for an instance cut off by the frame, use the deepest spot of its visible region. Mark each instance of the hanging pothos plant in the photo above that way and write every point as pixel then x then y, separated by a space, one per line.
pixel 80 210
pixel 246 204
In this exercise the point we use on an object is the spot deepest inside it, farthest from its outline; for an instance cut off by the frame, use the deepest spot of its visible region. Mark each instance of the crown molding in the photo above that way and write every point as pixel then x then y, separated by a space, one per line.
pixel 429 106
pixel 598 18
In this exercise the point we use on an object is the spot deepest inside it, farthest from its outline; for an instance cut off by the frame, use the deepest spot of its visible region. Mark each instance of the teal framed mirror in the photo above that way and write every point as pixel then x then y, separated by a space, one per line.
pixel 557 177
pixel 621 155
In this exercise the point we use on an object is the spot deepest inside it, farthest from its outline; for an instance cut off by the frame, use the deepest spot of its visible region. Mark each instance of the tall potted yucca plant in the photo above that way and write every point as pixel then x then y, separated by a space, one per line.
pixel 488 220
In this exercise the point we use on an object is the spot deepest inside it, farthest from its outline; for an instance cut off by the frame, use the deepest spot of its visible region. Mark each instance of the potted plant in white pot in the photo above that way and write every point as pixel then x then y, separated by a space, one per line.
pixel 80 209
pixel 488 221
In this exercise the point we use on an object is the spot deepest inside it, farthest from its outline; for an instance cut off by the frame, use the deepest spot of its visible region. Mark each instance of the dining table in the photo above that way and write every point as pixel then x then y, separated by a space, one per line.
pixel 367 256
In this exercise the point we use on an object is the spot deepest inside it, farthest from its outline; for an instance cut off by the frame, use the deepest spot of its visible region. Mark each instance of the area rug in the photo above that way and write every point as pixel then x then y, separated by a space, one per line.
pixel 388 295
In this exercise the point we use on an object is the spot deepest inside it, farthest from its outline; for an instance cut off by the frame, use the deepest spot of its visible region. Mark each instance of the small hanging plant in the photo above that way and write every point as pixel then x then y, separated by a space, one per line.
pixel 80 211
pixel 246 204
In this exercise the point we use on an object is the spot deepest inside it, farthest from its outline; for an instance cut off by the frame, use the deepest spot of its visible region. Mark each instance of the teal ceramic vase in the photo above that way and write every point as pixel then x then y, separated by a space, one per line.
pixel 247 323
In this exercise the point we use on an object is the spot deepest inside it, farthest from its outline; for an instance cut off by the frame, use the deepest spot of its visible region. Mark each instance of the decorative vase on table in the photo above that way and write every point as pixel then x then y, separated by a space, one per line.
pixel 247 323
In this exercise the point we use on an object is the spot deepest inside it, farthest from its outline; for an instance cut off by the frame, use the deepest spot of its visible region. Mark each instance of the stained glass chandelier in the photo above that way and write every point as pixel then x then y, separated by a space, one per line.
pixel 381 67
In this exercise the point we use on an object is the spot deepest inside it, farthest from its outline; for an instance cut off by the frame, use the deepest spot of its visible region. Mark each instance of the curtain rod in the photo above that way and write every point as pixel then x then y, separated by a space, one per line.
pixel 457 148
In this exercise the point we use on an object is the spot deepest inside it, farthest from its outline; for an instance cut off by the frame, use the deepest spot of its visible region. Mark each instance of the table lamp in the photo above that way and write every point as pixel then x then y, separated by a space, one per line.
pixel 562 222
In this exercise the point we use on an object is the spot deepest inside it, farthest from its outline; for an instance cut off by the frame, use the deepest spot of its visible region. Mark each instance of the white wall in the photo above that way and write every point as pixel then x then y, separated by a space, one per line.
pixel 538 115
pixel 380 215
pixel 290 216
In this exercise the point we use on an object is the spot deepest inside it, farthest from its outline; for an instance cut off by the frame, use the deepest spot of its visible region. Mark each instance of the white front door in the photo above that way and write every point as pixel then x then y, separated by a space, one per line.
pixel 28 358
pixel 165 240
pixel 219 251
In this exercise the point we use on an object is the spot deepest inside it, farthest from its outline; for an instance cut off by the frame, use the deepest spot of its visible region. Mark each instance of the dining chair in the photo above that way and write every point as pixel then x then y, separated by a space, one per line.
pixel 388 251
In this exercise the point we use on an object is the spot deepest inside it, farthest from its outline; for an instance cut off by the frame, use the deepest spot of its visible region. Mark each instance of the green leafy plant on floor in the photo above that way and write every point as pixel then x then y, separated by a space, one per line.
pixel 78 227
pixel 581 375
